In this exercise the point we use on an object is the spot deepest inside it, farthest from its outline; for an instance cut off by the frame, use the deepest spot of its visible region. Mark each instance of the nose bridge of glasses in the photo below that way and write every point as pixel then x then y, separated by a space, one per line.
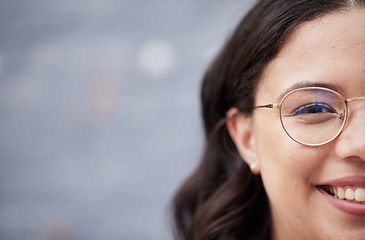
pixel 352 101
pixel 355 99
pixel 355 124
pixel 354 108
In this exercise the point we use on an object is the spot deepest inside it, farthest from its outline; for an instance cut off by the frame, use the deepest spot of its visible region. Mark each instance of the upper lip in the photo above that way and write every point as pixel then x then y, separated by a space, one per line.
pixel 358 181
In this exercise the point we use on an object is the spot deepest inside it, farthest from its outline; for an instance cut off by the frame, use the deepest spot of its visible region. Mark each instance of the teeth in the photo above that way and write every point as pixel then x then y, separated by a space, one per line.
pixel 348 193
pixel 360 194
pixel 340 193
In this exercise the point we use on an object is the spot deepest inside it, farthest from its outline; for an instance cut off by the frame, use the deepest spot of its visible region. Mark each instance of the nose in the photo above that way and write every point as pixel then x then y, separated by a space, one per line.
pixel 351 142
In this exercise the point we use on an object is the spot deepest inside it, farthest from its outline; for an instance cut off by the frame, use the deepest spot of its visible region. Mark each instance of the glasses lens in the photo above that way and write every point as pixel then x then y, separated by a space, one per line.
pixel 313 116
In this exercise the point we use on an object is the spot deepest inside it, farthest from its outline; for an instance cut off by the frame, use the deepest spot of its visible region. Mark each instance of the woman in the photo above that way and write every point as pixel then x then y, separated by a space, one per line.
pixel 283 108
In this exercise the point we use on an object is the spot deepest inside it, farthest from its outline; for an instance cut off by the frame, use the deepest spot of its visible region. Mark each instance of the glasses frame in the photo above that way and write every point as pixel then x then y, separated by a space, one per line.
pixel 346 117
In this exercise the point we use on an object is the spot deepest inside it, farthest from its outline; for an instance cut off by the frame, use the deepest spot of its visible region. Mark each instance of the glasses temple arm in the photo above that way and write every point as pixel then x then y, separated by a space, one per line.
pixel 269 106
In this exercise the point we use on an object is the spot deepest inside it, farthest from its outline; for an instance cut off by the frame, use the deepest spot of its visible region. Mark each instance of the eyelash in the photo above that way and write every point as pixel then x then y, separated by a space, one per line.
pixel 313 108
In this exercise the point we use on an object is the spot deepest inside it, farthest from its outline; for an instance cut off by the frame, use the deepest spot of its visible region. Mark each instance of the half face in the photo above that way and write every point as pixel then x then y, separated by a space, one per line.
pixel 312 190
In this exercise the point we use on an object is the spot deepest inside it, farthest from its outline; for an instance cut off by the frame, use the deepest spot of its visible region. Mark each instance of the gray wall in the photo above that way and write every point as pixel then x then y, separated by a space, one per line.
pixel 99 112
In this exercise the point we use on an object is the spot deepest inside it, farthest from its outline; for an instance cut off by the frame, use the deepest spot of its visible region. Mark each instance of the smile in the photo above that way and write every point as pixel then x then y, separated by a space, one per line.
pixel 348 193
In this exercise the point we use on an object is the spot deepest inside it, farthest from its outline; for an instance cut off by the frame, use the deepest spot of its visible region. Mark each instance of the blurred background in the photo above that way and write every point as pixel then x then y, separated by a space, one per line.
pixel 99 112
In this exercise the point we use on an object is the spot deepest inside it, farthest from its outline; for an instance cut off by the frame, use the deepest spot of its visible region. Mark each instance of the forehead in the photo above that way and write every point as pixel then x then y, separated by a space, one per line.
pixel 328 50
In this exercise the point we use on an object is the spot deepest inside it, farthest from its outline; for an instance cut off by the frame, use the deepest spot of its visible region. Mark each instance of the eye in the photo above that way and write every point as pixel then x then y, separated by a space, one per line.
pixel 314 108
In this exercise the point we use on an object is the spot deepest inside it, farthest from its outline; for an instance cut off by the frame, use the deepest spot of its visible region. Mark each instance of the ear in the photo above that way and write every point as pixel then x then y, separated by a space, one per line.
pixel 240 127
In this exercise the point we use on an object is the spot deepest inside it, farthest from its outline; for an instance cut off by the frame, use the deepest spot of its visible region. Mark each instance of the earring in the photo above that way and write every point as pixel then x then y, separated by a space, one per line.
pixel 252 166
pixel 254 169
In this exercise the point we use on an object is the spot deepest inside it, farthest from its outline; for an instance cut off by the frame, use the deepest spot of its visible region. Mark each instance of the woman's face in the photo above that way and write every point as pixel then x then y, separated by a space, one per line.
pixel 330 50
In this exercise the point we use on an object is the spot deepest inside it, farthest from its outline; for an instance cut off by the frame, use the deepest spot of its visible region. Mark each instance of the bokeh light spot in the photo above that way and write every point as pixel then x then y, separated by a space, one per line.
pixel 155 58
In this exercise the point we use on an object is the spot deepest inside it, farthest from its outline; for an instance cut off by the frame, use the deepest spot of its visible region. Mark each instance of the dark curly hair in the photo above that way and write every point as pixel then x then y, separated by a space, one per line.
pixel 222 199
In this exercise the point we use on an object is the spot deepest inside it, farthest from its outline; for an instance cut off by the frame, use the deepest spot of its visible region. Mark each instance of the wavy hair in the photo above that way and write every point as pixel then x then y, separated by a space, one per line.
pixel 222 199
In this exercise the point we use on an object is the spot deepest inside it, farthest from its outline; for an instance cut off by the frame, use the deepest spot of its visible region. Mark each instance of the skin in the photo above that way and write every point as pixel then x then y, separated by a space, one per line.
pixel 328 50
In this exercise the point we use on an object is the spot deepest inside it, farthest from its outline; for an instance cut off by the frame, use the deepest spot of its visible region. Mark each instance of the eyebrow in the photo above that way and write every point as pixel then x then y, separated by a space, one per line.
pixel 333 87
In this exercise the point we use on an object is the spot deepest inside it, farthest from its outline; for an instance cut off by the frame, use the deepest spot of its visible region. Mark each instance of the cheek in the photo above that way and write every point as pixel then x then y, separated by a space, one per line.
pixel 287 168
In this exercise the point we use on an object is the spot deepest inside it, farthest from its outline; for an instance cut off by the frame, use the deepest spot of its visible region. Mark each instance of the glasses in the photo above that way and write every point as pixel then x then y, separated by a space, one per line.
pixel 313 116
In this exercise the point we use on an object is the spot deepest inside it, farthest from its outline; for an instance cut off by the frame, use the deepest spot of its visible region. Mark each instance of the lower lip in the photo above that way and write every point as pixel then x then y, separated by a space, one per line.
pixel 344 205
